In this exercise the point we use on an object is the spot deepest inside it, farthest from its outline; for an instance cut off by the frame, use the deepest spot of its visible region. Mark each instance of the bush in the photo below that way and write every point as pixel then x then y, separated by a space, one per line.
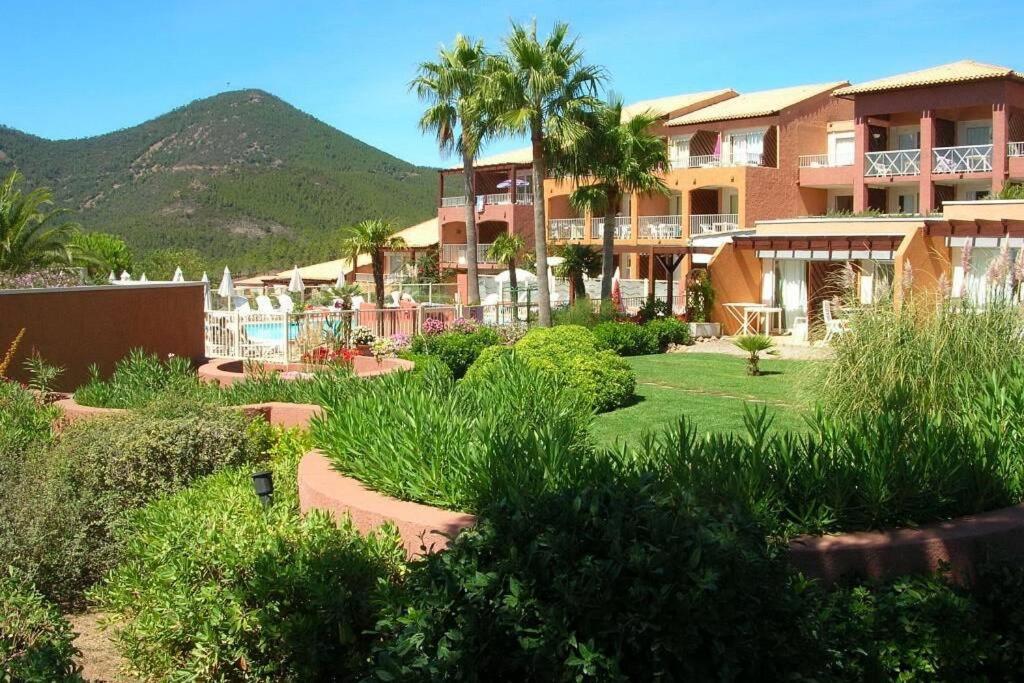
pixel 139 378
pixel 571 354
pixel 670 331
pixel 627 339
pixel 613 582
pixel 493 435
pixel 214 587
pixel 582 313
pixel 456 348
pixel 652 310
pixel 24 421
pixel 60 510
pixel 36 643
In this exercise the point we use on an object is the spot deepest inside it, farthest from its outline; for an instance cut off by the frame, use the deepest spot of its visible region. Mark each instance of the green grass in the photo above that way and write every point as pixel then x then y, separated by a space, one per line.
pixel 712 389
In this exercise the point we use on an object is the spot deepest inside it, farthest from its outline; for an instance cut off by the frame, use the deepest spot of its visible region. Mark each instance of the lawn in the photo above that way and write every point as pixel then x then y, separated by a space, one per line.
pixel 712 389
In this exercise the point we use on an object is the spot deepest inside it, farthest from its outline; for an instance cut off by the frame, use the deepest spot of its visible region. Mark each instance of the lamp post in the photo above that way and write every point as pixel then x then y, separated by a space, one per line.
pixel 263 486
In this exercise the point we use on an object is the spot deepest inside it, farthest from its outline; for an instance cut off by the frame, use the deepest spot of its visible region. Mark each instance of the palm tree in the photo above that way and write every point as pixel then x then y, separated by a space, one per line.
pixel 506 249
pixel 101 253
pixel 452 87
pixel 755 345
pixel 617 157
pixel 374 237
pixel 578 260
pixel 541 88
pixel 28 237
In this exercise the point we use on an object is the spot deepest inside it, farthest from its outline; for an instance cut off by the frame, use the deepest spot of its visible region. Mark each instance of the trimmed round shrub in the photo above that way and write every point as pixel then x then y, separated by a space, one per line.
pixel 627 339
pixel 456 348
pixel 614 582
pixel 214 587
pixel 59 511
pixel 36 642
pixel 670 331
pixel 572 355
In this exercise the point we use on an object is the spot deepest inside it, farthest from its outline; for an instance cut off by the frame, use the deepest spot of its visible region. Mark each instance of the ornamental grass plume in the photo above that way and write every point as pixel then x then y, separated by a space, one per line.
pixel 907 285
pixel 9 355
pixel 999 268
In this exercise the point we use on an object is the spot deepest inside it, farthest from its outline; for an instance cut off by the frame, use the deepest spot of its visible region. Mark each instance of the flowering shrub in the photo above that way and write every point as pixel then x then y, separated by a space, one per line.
pixel 434 326
pixel 362 335
pixel 326 354
pixel 457 349
pixel 510 333
pixel 382 348
pixel 400 341
pixel 464 325
pixel 39 278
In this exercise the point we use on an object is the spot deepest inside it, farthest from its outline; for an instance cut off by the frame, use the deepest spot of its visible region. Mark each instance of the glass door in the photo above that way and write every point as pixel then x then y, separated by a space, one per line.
pixel 791 290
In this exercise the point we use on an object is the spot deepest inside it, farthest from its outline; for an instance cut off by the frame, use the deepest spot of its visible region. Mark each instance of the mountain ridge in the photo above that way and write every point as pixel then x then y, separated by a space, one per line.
pixel 241 176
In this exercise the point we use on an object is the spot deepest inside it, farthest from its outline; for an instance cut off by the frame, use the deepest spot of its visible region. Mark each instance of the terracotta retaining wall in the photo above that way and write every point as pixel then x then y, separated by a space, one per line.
pixel 227 371
pixel 274 412
pixel 320 487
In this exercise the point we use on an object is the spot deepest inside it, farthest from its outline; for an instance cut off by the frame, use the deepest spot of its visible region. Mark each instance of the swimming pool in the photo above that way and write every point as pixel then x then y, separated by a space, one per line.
pixel 274 332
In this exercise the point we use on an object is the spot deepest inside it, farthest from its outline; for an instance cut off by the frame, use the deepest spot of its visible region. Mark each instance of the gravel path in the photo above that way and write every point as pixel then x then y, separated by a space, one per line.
pixel 788 349
pixel 100 660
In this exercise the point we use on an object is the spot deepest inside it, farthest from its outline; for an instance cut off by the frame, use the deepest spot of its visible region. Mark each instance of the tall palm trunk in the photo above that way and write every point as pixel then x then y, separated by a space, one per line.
pixel 378 283
pixel 472 274
pixel 608 242
pixel 540 244
pixel 513 286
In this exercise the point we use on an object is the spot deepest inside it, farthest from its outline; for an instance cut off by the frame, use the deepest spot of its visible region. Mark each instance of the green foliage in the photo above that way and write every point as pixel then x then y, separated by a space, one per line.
pixel 571 354
pixel 700 296
pixel 242 177
pixel 613 582
pixel 579 260
pixel 63 503
pixel 160 264
pixel 754 345
pixel 498 434
pixel 670 331
pixel 24 421
pixel 30 236
pixel 214 587
pixel 102 254
pixel 581 312
pixel 138 379
pixel 455 348
pixel 653 309
pixel 36 643
pixel 1011 191
pixel 627 339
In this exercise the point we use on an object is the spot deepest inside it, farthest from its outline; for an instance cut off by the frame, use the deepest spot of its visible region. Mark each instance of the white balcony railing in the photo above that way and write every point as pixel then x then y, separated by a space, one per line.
pixel 567 228
pixel 962 159
pixel 522 197
pixel 660 227
pixel 725 160
pixel 710 223
pixel 893 162
pixel 623 228
pixel 1015 149
pixel 456 253
pixel 824 161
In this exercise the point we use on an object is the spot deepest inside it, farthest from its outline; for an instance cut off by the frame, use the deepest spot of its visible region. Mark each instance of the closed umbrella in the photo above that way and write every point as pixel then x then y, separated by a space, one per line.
pixel 125 277
pixel 207 303
pixel 340 282
pixel 178 276
pixel 296 284
pixel 111 277
pixel 227 287
pixel 143 278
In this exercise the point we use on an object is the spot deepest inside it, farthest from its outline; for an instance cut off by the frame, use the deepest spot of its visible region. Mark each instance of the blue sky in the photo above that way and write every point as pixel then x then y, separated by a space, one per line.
pixel 77 68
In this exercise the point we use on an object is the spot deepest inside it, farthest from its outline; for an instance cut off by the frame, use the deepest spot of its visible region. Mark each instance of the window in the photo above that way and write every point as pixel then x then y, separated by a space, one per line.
pixel 840 149
pixel 908 140
pixel 679 151
pixel 979 135
pixel 843 202
pixel 791 290
pixel 906 203
pixel 746 148
pixel 675 204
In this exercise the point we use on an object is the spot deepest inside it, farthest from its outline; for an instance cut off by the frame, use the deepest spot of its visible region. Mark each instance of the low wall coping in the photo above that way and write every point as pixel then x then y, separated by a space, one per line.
pixel 421 526
pixel 275 412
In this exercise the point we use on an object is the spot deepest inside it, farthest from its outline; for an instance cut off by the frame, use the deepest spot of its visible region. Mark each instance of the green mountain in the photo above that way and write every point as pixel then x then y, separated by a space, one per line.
pixel 243 177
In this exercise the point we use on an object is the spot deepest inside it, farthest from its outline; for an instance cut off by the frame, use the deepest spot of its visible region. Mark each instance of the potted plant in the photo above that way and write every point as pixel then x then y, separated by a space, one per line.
pixel 700 298
pixel 362 337
pixel 382 348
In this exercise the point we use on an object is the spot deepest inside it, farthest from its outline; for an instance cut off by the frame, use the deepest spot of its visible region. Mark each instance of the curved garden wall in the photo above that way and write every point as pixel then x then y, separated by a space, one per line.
pixel 227 371
pixel 276 413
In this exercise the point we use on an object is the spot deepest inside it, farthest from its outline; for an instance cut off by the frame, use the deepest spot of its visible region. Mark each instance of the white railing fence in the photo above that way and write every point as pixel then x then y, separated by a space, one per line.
pixel 894 162
pixel 660 227
pixel 824 161
pixel 734 159
pixel 704 160
pixel 1015 149
pixel 709 223
pixel 456 253
pixel 623 227
pixel 522 197
pixel 566 228
pixel 962 159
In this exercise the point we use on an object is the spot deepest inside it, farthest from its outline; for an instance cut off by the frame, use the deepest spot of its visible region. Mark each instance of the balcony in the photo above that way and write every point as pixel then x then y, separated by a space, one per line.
pixel 566 228
pixel 522 197
pixel 623 227
pixel 722 160
pixel 824 161
pixel 1015 149
pixel 713 223
pixel 660 227
pixel 892 163
pixel 962 159
pixel 456 253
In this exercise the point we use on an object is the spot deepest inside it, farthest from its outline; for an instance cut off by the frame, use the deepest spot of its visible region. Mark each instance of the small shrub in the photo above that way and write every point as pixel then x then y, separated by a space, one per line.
pixel 138 379
pixel 700 296
pixel 24 421
pixel 59 512
pixel 456 347
pixel 571 354
pixel 652 310
pixel 214 587
pixel 582 313
pixel 754 345
pixel 670 331
pixel 609 582
pixel 627 339
pixel 36 643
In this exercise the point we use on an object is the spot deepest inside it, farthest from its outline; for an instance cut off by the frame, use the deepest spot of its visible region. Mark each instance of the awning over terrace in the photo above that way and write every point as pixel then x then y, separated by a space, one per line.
pixel 878 247
pixel 978 230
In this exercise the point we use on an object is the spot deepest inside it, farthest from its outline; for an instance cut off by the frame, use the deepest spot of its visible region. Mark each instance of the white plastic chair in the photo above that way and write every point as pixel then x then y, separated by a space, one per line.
pixel 286 304
pixel 833 326
pixel 357 301
pixel 264 304
pixel 241 304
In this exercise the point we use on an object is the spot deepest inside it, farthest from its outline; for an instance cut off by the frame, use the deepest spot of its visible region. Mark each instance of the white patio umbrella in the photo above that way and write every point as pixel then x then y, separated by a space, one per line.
pixel 552 262
pixel 227 287
pixel 125 276
pixel 207 303
pixel 520 182
pixel 296 284
pixel 111 277
pixel 143 278
pixel 178 275
pixel 340 282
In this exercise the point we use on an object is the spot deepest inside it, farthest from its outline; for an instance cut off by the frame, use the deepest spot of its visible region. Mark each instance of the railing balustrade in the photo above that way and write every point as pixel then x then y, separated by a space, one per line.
pixel 660 227
pixel 623 227
pixel 824 161
pixel 456 253
pixel 566 228
pixel 1015 149
pixel 711 223
pixel 892 163
pixel 522 197
pixel 962 159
